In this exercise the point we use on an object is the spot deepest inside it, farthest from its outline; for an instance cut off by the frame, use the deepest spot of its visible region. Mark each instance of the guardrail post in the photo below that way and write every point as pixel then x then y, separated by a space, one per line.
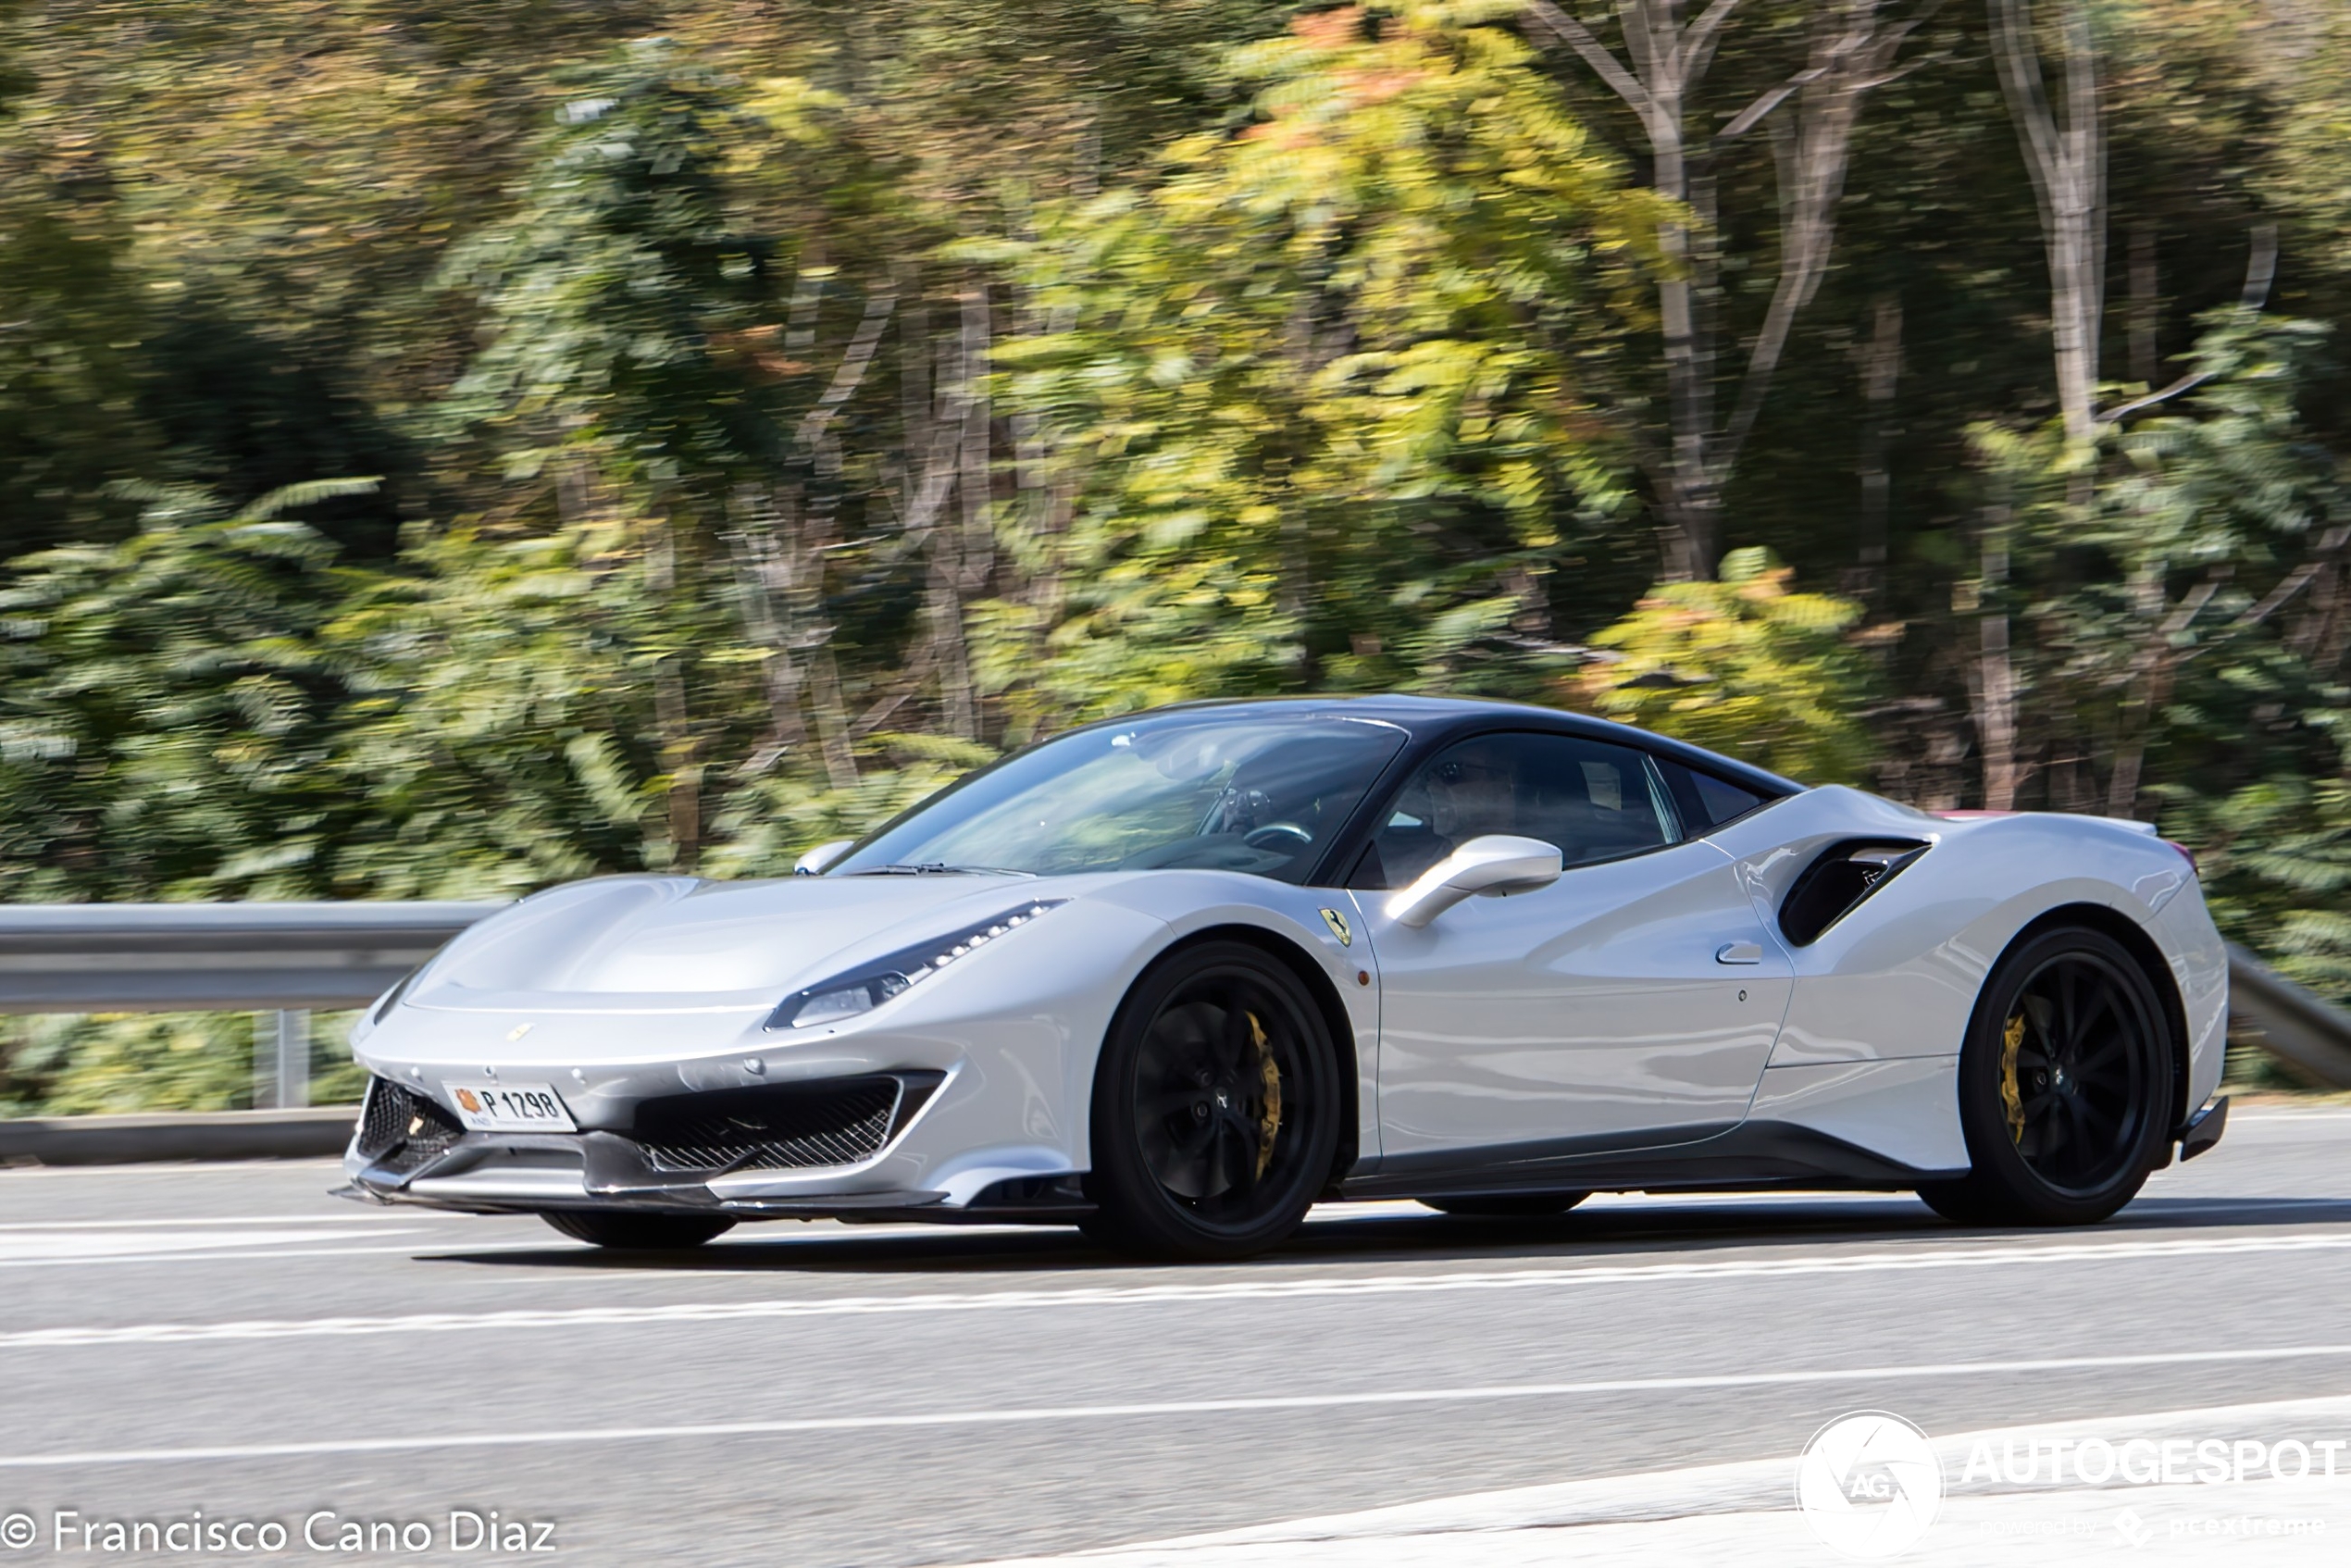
pixel 293 1059
pixel 282 1058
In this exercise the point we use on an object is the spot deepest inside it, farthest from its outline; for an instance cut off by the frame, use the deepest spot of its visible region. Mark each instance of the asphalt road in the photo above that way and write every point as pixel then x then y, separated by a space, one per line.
pixel 228 1339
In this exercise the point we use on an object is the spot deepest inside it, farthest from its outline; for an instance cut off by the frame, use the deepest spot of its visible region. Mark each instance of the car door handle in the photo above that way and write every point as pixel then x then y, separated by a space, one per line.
pixel 1739 952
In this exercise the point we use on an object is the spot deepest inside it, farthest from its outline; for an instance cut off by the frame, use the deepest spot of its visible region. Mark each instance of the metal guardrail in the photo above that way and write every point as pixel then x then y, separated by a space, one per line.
pixel 2299 1027
pixel 280 960
pixel 176 1135
pixel 205 957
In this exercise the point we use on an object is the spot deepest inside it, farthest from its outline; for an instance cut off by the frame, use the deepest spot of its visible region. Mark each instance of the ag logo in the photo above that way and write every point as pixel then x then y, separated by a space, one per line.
pixel 1868 1484
pixel 1339 927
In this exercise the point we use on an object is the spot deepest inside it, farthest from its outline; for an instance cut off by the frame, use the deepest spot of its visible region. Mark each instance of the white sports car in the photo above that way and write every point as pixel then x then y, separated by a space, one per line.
pixel 1175 978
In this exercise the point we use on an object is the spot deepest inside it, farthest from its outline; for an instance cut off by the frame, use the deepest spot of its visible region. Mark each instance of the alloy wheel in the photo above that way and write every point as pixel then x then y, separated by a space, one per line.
pixel 2077 1053
pixel 1210 1085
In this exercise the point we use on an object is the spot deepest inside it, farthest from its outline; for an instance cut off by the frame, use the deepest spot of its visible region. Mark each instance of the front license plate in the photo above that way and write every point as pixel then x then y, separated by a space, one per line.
pixel 510 1108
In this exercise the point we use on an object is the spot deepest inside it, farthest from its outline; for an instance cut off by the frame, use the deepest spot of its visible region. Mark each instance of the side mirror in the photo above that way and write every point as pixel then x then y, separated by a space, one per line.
pixel 1495 865
pixel 816 860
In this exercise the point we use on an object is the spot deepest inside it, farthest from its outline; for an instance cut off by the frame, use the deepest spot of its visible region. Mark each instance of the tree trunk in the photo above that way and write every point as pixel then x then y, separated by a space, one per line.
pixel 1881 374
pixel 1850 54
pixel 2140 696
pixel 2147 361
pixel 975 484
pixel 814 634
pixel 946 437
pixel 2154 670
pixel 833 716
pixel 1668 60
pixel 960 553
pixel 764 559
pixel 1995 674
pixel 671 720
pixel 1692 508
pixel 2065 154
pixel 783 545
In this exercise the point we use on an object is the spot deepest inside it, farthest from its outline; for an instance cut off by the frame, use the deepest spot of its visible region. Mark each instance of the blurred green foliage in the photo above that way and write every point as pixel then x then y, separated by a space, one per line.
pixel 449 450
pixel 1743 666
pixel 117 1063
pixel 170 704
pixel 1315 406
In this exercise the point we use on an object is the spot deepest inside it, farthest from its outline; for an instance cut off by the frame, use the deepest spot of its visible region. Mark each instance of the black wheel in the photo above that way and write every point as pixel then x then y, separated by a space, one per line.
pixel 1215 1114
pixel 1507 1205
pixel 632 1232
pixel 2065 1086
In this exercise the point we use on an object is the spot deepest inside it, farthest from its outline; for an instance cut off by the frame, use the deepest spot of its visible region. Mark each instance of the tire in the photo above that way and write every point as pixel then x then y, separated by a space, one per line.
pixel 1507 1205
pixel 1216 1112
pixel 2065 1086
pixel 637 1232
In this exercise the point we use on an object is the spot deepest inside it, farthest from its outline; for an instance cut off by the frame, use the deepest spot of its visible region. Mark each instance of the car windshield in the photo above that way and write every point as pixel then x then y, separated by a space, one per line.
pixel 1262 794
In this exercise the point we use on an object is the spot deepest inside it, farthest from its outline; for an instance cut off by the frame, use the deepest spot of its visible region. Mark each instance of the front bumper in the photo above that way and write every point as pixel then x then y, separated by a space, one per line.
pixel 689 1153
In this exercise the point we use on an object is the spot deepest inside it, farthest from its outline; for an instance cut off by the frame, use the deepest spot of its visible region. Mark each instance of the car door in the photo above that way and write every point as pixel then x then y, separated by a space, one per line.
pixel 1633 1002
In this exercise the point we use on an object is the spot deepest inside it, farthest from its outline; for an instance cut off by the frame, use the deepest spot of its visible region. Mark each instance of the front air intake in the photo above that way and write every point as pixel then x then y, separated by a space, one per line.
pixel 401 1130
pixel 782 1126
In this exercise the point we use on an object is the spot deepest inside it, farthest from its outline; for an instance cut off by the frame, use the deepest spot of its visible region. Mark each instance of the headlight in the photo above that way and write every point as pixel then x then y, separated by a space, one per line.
pixel 864 988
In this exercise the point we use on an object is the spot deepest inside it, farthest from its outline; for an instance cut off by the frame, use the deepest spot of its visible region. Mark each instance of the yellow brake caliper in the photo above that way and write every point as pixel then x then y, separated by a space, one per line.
pixel 1269 1120
pixel 2010 1096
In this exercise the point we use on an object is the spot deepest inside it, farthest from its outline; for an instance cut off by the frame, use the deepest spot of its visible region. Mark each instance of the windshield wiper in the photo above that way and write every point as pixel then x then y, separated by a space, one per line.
pixel 939 869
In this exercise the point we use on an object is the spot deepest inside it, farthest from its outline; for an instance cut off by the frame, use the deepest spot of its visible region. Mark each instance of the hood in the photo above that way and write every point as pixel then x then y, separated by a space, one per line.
pixel 673 944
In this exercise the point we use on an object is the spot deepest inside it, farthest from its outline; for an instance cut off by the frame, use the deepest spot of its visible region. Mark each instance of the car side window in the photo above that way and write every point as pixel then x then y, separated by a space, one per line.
pixel 1594 801
pixel 1705 801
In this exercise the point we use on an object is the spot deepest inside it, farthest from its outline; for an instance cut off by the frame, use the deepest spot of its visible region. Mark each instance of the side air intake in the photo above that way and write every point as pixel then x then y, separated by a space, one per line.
pixel 1839 881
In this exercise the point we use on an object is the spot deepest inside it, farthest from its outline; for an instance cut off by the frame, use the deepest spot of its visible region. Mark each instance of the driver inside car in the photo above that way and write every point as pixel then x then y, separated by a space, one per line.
pixel 1239 810
pixel 1470 795
pixel 1464 794
pixel 1277 805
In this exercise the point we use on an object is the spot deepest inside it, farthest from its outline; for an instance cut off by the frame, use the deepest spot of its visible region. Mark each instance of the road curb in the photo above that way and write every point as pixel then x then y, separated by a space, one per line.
pixel 185 1134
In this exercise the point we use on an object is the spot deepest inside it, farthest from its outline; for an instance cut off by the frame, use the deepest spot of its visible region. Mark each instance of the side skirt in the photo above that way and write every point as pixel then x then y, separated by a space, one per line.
pixel 1747 1157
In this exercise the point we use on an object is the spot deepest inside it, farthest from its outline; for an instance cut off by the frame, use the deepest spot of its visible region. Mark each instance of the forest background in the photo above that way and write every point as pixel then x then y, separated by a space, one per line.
pixel 451 448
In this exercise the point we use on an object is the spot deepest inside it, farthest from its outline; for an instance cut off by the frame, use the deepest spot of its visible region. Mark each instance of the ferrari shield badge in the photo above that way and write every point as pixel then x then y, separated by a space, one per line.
pixel 1339 927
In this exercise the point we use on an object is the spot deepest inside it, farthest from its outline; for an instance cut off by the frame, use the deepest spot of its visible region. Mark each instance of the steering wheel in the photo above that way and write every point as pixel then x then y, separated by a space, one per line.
pixel 1266 838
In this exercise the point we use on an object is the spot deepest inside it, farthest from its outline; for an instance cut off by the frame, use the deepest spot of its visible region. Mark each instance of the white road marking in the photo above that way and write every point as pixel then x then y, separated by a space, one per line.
pixel 1737 1514
pixel 81 1245
pixel 166 1220
pixel 173 1171
pixel 422 1245
pixel 1133 1295
pixel 2252 1114
pixel 575 1436
pixel 1742 1484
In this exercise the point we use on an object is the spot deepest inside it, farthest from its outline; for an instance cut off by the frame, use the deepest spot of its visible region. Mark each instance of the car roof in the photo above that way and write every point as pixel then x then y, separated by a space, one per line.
pixel 1435 719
